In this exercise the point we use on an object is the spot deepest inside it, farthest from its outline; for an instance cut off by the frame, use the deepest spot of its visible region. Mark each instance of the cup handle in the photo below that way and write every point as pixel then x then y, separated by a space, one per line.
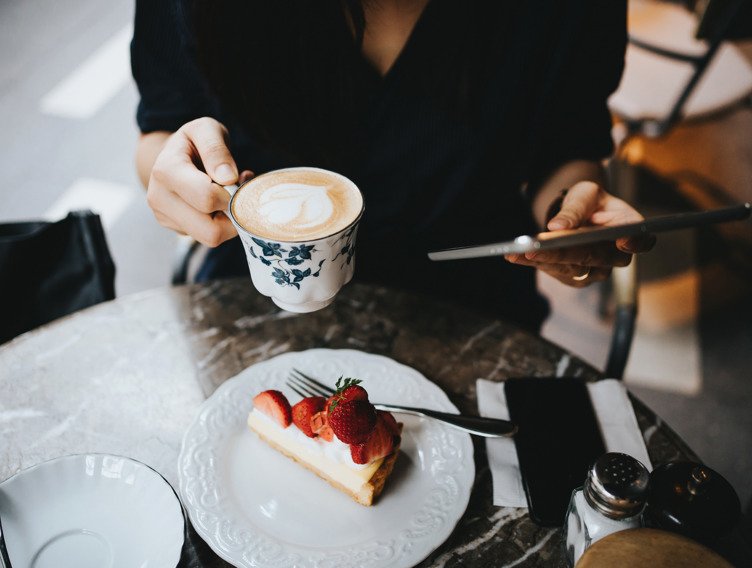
pixel 232 190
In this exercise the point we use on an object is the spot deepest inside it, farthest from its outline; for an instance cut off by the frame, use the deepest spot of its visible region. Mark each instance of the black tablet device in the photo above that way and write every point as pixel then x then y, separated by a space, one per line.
pixel 589 235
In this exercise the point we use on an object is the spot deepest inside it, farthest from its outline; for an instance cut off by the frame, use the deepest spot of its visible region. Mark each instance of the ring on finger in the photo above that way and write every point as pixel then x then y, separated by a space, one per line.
pixel 582 277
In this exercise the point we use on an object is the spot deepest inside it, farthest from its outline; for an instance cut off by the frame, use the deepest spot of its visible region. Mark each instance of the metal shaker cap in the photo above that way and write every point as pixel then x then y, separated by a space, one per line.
pixel 617 485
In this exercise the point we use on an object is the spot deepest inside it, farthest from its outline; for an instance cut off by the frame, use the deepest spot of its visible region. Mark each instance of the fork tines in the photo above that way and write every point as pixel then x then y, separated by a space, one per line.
pixel 305 386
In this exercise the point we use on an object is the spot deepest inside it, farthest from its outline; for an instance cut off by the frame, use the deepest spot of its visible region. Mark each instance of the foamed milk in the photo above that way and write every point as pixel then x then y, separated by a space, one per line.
pixel 297 205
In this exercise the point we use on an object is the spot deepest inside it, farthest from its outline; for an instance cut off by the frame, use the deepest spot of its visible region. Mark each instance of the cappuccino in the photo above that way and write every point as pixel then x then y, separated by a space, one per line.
pixel 299 204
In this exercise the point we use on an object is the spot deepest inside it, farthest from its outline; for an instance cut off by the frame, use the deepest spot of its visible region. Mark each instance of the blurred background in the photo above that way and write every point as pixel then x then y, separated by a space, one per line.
pixel 67 127
pixel 67 141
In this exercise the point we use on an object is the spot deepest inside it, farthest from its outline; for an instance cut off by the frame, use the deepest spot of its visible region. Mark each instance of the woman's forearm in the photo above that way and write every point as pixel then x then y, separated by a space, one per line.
pixel 149 147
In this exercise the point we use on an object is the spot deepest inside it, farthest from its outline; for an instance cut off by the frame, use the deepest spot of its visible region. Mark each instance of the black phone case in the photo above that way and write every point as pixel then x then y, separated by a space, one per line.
pixel 558 439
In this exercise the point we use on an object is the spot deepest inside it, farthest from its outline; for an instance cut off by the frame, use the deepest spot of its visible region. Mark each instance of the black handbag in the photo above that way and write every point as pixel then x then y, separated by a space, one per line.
pixel 51 269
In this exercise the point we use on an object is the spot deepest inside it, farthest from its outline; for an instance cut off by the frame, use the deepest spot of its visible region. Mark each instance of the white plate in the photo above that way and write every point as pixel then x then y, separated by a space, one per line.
pixel 255 507
pixel 91 511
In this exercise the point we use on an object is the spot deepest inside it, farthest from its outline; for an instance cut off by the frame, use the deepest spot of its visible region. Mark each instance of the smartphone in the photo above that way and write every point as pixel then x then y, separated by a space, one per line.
pixel 590 235
pixel 557 440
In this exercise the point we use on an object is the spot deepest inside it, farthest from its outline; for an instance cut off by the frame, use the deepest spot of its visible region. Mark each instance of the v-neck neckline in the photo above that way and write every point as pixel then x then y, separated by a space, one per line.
pixel 411 39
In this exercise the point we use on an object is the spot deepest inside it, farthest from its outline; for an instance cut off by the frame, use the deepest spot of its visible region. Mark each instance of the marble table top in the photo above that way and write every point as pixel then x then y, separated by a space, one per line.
pixel 127 377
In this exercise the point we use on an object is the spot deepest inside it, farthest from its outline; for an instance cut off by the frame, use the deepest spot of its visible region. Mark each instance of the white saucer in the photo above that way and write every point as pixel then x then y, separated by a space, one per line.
pixel 91 511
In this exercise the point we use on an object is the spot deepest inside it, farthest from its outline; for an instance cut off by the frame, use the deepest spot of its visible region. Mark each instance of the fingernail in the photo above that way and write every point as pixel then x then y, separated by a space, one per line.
pixel 559 224
pixel 225 174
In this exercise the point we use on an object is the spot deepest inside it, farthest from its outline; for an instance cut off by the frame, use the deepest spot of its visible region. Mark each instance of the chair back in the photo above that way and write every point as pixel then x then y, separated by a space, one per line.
pixel 679 64
pixel 52 269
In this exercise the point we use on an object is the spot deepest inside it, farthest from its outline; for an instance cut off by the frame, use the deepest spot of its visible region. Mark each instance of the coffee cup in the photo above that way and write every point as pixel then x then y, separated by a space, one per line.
pixel 298 229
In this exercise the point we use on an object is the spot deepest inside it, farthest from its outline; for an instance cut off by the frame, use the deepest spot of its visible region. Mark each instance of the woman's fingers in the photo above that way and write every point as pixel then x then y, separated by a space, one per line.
pixel 212 143
pixel 176 171
pixel 579 203
pixel 587 204
pixel 169 177
pixel 617 212
pixel 244 176
pixel 636 245
pixel 602 254
pixel 209 230
pixel 184 190
pixel 576 275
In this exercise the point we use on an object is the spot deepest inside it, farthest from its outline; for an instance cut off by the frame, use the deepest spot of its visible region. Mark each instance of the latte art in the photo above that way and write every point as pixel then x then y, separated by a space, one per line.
pixel 305 205
pixel 297 204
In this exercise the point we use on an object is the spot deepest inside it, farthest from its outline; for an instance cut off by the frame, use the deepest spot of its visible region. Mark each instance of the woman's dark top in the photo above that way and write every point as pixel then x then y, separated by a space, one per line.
pixel 433 175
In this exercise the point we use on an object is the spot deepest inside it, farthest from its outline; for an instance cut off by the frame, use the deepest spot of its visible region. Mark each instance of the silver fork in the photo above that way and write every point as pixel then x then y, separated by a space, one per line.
pixel 304 386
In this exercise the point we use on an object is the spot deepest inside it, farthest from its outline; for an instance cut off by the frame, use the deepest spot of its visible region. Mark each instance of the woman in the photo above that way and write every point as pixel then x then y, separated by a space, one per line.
pixel 461 122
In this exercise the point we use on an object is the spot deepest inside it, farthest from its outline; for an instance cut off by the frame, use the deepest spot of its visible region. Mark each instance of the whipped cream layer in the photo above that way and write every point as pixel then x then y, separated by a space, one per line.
pixel 297 205
pixel 332 458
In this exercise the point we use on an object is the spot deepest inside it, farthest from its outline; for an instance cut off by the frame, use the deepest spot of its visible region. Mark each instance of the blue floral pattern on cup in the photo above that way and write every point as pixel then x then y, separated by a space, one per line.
pixel 348 249
pixel 283 261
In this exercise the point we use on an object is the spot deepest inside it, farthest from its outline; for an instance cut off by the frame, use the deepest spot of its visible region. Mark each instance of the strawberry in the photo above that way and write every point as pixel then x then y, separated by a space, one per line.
pixel 380 442
pixel 320 426
pixel 352 421
pixel 275 405
pixel 349 389
pixel 304 410
pixel 391 421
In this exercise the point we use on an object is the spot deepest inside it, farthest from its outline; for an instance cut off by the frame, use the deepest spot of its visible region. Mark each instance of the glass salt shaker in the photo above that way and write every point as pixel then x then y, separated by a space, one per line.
pixel 611 500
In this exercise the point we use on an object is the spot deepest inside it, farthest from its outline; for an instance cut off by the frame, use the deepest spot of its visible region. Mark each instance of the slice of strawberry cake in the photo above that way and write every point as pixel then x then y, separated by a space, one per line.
pixel 343 439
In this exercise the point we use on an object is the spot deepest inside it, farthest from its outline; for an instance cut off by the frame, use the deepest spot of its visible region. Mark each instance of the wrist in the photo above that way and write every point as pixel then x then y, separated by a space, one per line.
pixel 149 147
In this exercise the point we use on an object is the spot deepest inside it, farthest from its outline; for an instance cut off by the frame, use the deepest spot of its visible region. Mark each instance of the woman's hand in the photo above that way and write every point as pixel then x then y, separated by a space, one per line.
pixel 586 203
pixel 186 167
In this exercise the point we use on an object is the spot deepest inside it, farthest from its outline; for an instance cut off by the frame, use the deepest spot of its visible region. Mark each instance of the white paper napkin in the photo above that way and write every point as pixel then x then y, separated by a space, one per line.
pixel 613 410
